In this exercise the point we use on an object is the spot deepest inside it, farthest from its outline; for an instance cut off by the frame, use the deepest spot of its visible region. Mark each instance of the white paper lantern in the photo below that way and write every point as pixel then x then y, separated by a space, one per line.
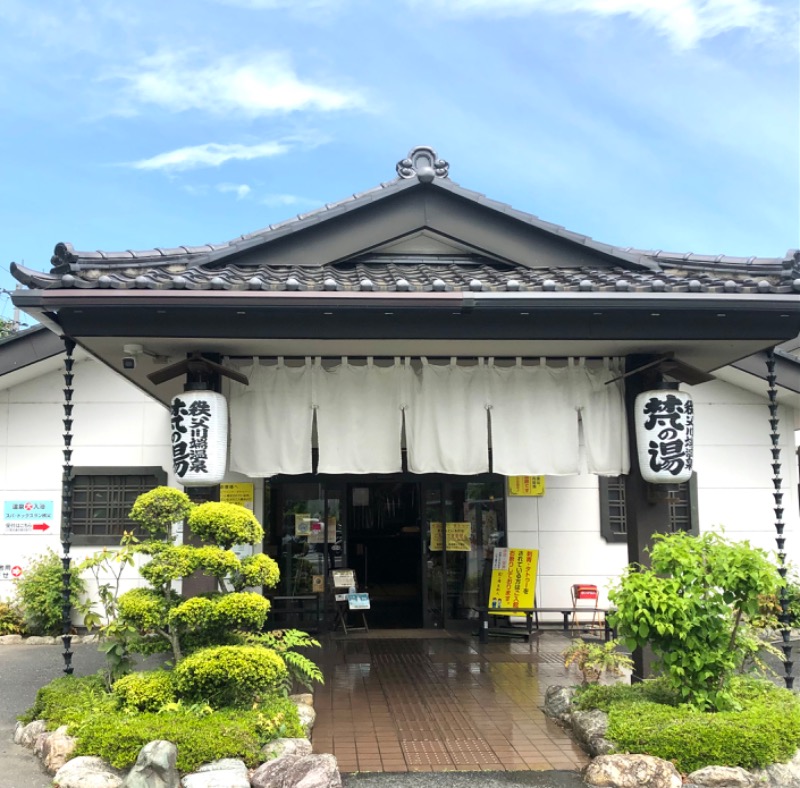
pixel 199 438
pixel 665 435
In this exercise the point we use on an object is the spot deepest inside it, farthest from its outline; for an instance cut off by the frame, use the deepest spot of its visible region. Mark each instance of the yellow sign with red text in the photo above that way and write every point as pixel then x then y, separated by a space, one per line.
pixel 513 578
pixel 526 486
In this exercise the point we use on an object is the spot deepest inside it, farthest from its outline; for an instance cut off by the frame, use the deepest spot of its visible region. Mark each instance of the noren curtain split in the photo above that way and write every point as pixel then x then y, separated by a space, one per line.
pixel 537 418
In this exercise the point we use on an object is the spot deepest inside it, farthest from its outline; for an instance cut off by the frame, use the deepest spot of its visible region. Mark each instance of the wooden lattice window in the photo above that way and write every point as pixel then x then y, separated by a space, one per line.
pixel 102 498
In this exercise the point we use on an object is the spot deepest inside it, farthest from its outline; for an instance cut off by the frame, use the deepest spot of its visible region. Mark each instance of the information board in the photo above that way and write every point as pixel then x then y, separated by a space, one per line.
pixel 526 486
pixel 459 537
pixel 513 578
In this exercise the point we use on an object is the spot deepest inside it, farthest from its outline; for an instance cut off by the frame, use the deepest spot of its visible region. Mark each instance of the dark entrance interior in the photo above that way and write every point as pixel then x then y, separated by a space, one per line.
pixel 384 547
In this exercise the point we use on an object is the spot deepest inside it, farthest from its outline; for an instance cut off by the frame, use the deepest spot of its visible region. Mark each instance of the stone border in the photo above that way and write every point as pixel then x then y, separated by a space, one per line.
pixel 625 770
pixel 44 640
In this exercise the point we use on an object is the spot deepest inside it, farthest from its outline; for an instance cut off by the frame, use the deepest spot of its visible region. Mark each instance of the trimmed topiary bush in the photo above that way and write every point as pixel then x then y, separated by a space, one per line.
pixel 236 676
pixel 225 524
pixel 257 570
pixel 155 511
pixel 146 691
pixel 244 611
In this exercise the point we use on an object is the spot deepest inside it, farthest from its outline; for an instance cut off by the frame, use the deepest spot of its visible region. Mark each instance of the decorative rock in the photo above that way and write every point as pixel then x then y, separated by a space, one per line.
pixel 225 773
pixel 631 771
pixel 91 638
pixel 303 697
pixel 8 640
pixel 307 717
pixel 87 772
pixel 558 702
pixel 722 777
pixel 155 767
pixel 590 729
pixel 41 640
pixel 783 775
pixel 314 771
pixel 57 749
pixel 281 747
pixel 272 774
pixel 26 735
pixel 38 744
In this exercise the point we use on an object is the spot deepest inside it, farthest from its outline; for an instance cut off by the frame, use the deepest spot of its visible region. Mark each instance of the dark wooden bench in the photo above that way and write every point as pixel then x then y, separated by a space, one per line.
pixel 532 614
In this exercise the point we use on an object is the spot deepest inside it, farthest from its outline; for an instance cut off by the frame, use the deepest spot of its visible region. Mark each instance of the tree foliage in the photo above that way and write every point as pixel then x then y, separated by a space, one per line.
pixel 694 608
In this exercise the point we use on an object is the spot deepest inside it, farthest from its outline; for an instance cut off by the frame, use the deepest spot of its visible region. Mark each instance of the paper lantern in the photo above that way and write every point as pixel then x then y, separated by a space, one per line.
pixel 665 435
pixel 199 438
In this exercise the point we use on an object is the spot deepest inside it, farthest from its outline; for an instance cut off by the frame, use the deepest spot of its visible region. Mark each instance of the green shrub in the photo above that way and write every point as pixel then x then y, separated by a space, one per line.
pixel 604 696
pixel 200 738
pixel 302 670
pixel 143 608
pixel 216 562
pixel 644 718
pixel 11 619
pixel 168 563
pixel 245 610
pixel 39 594
pixel 157 510
pixel 145 691
pixel 225 524
pixel 234 676
pixel 69 699
pixel 257 570
pixel 196 613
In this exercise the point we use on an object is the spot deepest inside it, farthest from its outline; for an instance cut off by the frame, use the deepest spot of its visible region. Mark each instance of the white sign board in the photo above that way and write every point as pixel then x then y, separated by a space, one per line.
pixel 28 517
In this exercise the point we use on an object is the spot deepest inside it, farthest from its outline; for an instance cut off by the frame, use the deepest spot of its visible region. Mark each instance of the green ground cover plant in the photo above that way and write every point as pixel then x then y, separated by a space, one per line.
pixel 647 718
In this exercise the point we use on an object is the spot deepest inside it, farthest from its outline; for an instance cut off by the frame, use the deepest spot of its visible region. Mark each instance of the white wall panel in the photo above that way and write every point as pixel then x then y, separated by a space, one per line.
pixel 34 425
pixel 570 510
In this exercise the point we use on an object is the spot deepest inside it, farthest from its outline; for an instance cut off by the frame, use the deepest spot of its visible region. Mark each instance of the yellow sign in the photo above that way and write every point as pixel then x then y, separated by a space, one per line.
pixel 526 485
pixel 459 536
pixel 237 492
pixel 513 578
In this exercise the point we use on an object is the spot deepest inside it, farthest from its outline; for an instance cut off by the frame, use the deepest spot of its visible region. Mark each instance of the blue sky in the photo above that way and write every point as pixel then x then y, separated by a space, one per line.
pixel 671 124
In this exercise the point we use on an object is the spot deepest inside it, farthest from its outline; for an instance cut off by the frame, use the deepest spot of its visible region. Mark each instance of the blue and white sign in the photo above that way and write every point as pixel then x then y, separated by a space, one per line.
pixel 27 517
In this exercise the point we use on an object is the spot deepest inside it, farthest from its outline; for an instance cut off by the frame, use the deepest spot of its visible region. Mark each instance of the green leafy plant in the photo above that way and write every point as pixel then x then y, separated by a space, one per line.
pixel 11 619
pixel 225 524
pixel 39 594
pixel 155 511
pixel 148 691
pixel 301 669
pixel 693 608
pixel 233 676
pixel 595 659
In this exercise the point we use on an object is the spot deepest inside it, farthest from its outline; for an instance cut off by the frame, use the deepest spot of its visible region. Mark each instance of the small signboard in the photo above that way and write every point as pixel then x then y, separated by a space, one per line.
pixel 240 493
pixel 358 601
pixel 10 571
pixel 28 517
pixel 343 578
pixel 526 486
pixel 458 537
pixel 317 584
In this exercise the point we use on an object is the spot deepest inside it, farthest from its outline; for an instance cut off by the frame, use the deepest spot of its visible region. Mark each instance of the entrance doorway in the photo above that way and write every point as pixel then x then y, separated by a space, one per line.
pixel 420 545
pixel 384 547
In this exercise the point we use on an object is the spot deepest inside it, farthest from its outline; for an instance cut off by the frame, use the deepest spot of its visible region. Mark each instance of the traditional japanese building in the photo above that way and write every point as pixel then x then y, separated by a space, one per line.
pixel 393 363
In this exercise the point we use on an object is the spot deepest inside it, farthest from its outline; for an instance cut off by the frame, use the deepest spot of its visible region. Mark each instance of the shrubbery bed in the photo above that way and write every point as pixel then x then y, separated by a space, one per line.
pixel 644 718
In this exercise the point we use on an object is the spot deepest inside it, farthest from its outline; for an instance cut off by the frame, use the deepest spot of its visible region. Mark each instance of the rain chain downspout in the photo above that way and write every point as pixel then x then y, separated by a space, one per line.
pixel 66 508
pixel 780 539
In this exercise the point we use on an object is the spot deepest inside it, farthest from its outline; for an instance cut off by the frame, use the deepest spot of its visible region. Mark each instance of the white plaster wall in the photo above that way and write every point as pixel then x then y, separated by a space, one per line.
pixel 114 425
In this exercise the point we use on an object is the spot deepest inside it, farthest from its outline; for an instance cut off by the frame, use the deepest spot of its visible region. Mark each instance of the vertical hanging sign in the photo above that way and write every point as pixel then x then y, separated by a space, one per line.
pixel 513 578
pixel 199 438
pixel 665 436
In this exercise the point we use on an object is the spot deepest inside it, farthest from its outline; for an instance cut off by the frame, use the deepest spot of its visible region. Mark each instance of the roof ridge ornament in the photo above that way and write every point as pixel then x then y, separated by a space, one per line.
pixel 423 163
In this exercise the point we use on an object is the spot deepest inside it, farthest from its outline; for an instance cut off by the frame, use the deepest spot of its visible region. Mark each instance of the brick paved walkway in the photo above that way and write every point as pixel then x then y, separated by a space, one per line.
pixel 397 701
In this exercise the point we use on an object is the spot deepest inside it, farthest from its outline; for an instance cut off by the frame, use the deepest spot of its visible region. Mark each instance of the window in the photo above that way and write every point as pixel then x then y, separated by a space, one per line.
pixel 681 500
pixel 102 498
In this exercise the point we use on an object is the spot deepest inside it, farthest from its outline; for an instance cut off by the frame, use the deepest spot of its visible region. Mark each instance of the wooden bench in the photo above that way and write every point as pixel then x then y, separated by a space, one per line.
pixel 532 613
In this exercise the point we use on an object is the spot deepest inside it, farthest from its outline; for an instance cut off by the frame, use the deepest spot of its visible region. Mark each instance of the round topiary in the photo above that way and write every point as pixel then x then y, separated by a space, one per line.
pixel 158 509
pixel 259 570
pixel 143 608
pixel 233 676
pixel 146 691
pixel 244 610
pixel 225 524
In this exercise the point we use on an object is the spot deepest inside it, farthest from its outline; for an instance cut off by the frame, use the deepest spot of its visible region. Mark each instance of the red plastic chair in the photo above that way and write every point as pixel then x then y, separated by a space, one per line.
pixel 585 592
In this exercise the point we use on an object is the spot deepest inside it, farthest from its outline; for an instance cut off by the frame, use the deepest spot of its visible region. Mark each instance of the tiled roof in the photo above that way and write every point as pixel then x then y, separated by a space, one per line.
pixel 420 273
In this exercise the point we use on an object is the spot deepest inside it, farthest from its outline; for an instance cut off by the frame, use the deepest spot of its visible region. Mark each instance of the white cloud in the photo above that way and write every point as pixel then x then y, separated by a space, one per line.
pixel 241 190
pixel 279 200
pixel 211 154
pixel 261 85
pixel 685 22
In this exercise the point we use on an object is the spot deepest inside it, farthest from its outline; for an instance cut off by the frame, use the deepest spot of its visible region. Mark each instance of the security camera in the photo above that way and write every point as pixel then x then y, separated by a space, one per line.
pixel 129 362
